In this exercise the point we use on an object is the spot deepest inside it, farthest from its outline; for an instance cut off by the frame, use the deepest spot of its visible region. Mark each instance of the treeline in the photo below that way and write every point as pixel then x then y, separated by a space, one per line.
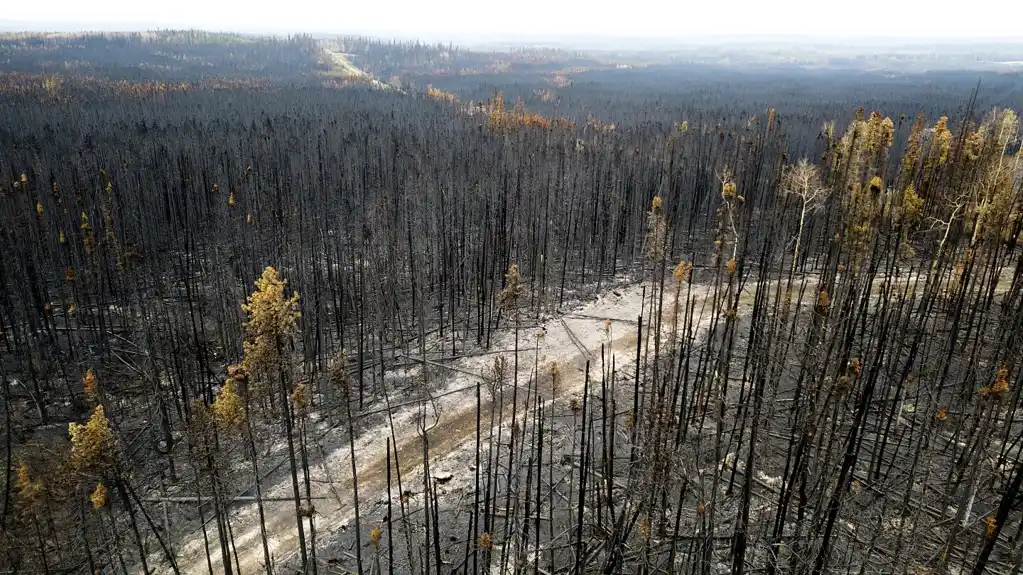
pixel 402 59
pixel 166 55
pixel 805 98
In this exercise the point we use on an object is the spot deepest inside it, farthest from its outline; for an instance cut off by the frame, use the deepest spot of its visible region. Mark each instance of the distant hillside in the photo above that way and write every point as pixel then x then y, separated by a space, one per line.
pixel 195 55
pixel 388 60
pixel 167 56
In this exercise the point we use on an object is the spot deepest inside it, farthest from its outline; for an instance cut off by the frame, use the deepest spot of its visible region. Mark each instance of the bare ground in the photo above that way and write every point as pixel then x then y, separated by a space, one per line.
pixel 450 418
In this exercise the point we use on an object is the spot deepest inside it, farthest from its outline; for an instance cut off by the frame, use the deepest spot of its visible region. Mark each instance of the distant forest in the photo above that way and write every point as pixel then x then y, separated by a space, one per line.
pixel 345 305
pixel 169 56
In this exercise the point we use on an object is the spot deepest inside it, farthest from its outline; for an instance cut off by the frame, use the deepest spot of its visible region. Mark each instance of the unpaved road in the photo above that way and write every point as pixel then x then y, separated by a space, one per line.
pixel 455 429
pixel 344 67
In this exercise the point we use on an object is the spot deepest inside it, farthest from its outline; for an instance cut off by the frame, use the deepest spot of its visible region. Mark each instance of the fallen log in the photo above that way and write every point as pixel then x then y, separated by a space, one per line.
pixel 236 499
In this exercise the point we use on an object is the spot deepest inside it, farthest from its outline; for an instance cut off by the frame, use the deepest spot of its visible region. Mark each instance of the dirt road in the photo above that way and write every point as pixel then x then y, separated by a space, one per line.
pixel 564 339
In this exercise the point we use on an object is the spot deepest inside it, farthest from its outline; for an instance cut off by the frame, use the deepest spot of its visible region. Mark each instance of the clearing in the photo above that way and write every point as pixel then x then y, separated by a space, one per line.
pixel 570 340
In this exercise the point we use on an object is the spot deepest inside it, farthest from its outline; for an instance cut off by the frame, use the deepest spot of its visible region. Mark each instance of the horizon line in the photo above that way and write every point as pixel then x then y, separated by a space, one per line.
pixel 451 36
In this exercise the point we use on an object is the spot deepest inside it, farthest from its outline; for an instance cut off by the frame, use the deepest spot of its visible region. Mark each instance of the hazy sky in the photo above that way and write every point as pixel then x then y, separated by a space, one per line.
pixel 480 19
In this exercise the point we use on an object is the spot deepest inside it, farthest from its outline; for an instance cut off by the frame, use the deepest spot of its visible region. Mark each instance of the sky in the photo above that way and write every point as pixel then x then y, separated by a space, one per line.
pixel 480 20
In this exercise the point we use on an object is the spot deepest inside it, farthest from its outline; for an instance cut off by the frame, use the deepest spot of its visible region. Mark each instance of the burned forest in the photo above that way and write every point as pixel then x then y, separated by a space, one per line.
pixel 343 305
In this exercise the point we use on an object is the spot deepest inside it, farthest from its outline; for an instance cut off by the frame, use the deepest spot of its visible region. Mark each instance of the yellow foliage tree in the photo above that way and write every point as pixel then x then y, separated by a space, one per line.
pixel 497 114
pixel 29 491
pixel 228 412
pixel 98 497
pixel 87 241
pixel 863 148
pixel 997 390
pixel 823 301
pixel 93 445
pixel 91 386
pixel 440 95
pixel 656 230
pixel 994 196
pixel 990 526
pixel 300 399
pixel 912 205
pixel 273 319
pixel 512 292
pixel 683 271
pixel 942 140
pixel 912 153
